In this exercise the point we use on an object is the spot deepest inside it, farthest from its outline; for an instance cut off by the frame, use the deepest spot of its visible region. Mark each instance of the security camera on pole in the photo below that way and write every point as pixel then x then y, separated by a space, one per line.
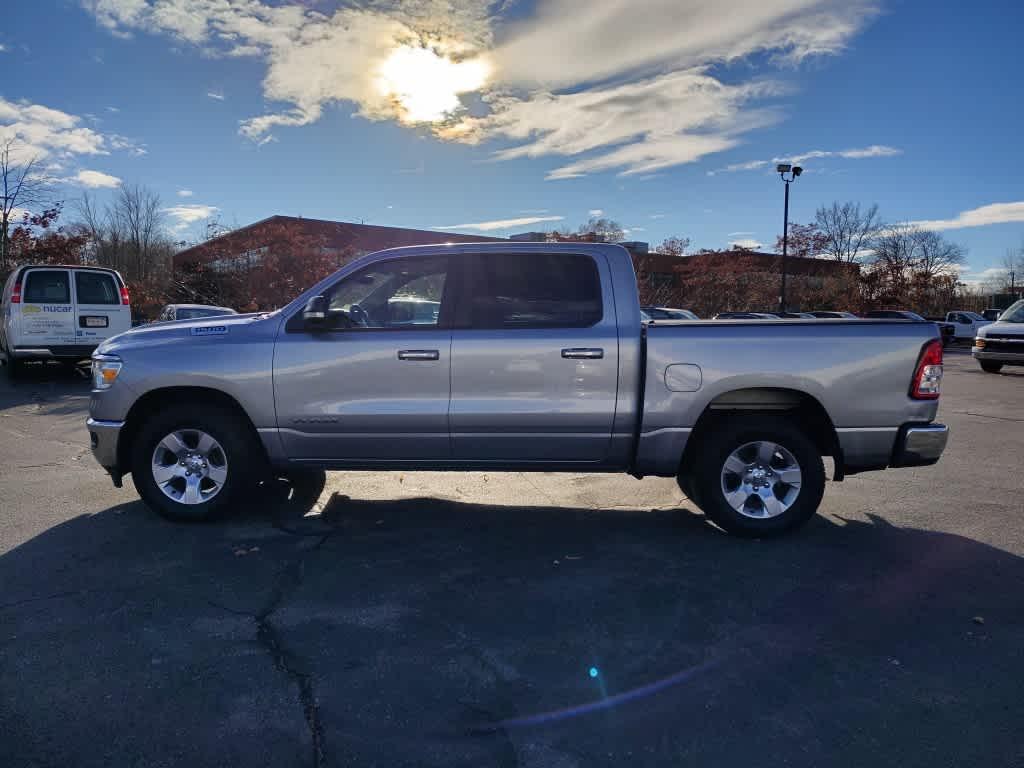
pixel 793 171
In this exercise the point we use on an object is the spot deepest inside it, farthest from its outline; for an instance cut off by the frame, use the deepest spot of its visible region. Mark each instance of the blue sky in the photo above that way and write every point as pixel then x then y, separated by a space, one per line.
pixel 531 110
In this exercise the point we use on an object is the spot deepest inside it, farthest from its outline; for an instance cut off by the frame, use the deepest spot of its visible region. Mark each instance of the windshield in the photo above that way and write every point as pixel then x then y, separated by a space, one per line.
pixel 1015 314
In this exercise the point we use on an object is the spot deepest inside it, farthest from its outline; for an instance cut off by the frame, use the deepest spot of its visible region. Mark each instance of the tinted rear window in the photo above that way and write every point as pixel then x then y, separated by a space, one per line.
pixel 560 290
pixel 96 288
pixel 191 313
pixel 47 286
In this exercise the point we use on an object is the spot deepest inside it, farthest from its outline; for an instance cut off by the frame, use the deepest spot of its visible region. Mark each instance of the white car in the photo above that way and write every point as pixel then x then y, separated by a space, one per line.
pixel 967 324
pixel 1002 342
pixel 60 313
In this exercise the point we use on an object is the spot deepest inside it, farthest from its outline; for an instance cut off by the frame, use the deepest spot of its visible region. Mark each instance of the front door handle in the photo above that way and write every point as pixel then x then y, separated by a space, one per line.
pixel 582 353
pixel 418 354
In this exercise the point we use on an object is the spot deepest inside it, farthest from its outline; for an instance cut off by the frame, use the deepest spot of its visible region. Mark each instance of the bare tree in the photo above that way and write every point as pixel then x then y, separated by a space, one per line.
pixel 606 230
pixel 675 245
pixel 129 234
pixel 848 231
pixel 21 186
pixel 935 255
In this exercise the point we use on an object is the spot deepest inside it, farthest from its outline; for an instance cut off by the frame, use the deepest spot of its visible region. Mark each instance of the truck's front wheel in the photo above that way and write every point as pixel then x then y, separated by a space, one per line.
pixel 759 476
pixel 989 366
pixel 193 462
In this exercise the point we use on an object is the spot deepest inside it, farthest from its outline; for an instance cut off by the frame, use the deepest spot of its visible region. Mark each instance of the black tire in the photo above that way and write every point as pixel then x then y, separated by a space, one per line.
pixel 988 366
pixel 244 458
pixel 728 436
pixel 13 366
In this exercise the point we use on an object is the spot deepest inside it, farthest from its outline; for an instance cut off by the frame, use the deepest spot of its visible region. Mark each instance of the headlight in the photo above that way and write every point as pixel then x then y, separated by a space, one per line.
pixel 105 371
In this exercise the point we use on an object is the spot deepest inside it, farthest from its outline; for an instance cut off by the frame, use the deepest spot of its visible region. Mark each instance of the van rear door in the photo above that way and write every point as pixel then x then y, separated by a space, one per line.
pixel 99 311
pixel 47 312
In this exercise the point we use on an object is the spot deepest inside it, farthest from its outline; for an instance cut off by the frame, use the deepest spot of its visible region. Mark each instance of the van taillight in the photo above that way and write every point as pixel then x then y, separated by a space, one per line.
pixel 928 376
pixel 16 294
pixel 124 294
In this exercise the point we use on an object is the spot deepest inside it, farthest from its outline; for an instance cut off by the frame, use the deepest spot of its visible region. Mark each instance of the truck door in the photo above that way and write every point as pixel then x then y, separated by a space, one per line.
pixel 534 359
pixel 47 313
pixel 373 382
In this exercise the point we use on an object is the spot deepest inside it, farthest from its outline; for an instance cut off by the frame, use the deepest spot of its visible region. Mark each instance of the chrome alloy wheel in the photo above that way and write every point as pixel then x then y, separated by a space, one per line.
pixel 189 466
pixel 761 480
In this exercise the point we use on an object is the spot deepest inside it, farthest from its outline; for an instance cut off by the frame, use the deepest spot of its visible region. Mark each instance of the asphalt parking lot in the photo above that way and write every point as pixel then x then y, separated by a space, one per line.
pixel 510 619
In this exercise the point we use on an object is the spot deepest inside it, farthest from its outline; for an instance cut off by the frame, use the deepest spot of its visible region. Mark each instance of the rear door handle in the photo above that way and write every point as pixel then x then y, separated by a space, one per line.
pixel 418 354
pixel 582 353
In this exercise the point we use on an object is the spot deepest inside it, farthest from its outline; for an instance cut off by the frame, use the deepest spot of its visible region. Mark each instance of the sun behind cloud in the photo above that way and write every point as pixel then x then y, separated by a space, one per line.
pixel 426 85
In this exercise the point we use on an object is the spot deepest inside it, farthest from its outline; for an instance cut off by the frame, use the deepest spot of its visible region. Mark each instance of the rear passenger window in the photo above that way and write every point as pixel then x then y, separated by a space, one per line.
pixel 47 286
pixel 96 288
pixel 534 291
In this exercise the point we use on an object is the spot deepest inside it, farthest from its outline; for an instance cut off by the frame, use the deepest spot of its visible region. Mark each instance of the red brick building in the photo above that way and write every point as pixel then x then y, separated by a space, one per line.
pixel 244 247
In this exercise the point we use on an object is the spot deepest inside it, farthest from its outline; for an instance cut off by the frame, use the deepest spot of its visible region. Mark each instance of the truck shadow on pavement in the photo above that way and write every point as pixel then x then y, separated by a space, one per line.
pixel 426 631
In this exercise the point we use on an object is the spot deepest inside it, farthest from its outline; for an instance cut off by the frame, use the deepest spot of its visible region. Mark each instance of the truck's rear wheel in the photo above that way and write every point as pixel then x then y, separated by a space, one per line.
pixel 193 462
pixel 759 476
pixel 988 366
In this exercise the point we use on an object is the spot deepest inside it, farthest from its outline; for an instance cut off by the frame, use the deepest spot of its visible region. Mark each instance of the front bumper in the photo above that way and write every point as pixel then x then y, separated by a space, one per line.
pixel 919 445
pixel 1012 358
pixel 103 437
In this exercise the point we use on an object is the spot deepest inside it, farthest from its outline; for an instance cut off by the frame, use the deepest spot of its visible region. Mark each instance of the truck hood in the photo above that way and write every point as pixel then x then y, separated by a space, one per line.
pixel 1003 329
pixel 205 331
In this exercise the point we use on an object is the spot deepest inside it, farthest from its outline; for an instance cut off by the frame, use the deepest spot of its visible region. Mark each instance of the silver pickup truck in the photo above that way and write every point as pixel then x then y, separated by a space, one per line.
pixel 513 357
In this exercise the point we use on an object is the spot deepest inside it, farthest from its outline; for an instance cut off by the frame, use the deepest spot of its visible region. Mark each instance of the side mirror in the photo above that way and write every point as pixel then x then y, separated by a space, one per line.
pixel 315 313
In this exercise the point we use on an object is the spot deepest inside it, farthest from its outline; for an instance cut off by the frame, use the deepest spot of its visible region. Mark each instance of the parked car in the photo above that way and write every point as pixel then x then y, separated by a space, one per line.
pixel 537 361
pixel 834 315
pixel 60 313
pixel 991 314
pixel 191 312
pixel 966 324
pixel 666 313
pixel 946 329
pixel 795 315
pixel 1002 342
pixel 746 316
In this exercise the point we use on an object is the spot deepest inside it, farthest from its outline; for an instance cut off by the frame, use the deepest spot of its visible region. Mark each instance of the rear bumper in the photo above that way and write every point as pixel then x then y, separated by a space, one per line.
pixel 919 445
pixel 103 438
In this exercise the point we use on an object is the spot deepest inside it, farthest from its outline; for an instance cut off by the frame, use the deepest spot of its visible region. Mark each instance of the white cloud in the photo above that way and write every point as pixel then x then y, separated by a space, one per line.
pixel 875 150
pixel 596 212
pixel 113 110
pixel 986 215
pixel 739 234
pixel 186 215
pixel 490 226
pixel 647 102
pixel 185 193
pixel 657 216
pixel 96 180
pixel 215 95
pixel 3 48
pixel 747 242
pixel 40 131
pixel 751 165
pixel 856 153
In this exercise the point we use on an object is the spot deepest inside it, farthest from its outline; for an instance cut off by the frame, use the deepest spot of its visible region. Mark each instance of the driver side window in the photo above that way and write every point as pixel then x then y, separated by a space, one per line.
pixel 400 293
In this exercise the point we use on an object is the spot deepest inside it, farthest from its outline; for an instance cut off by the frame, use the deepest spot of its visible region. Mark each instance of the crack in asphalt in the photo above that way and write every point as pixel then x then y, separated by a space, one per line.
pixel 285 660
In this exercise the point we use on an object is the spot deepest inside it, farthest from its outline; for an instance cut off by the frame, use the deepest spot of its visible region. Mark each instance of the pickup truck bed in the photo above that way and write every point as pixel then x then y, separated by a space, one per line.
pixel 533 357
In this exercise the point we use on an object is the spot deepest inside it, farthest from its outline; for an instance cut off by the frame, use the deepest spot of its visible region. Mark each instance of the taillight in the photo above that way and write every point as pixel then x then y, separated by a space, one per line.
pixel 928 376
pixel 16 294
pixel 124 294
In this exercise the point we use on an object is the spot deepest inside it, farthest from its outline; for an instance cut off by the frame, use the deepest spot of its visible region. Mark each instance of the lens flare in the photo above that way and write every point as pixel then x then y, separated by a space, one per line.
pixel 426 85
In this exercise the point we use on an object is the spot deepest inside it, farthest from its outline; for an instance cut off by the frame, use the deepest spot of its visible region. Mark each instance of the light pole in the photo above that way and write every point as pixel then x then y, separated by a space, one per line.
pixel 793 171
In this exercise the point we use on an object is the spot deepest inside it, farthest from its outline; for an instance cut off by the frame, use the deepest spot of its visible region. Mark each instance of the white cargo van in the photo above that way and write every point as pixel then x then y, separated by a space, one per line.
pixel 60 312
